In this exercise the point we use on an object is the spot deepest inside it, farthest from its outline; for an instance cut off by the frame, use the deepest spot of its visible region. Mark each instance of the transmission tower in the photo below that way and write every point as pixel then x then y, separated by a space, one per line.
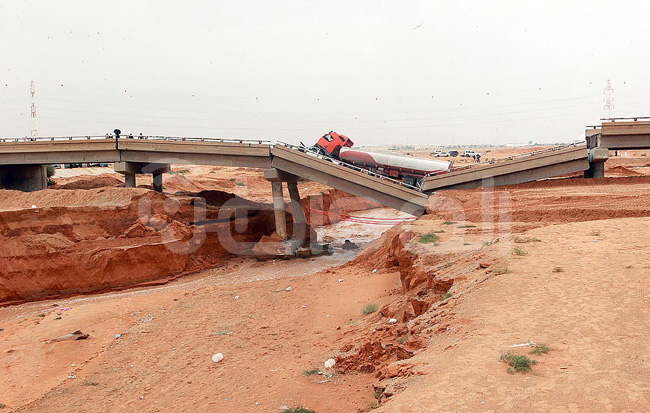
pixel 34 133
pixel 608 98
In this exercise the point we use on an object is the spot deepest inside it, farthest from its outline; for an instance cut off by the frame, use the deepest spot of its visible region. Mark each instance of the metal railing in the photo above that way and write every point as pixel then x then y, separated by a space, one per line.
pixel 633 118
pixel 317 154
pixel 148 137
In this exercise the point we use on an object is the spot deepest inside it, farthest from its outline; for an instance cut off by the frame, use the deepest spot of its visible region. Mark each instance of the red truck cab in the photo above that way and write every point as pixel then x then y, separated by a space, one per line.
pixel 331 143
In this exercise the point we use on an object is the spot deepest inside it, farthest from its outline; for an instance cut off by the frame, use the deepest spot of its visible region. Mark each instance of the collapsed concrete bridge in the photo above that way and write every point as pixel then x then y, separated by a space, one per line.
pixel 21 163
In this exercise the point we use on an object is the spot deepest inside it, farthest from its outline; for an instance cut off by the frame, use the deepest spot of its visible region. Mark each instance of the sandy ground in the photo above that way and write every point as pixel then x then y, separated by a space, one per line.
pixel 448 338
pixel 594 316
pixel 169 334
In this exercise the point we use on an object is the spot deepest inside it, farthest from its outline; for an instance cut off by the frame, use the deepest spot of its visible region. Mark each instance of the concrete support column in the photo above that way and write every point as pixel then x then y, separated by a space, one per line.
pixel 131 169
pixel 596 170
pixel 129 180
pixel 597 158
pixel 278 208
pixel 300 221
pixel 157 182
pixel 23 177
pixel 296 205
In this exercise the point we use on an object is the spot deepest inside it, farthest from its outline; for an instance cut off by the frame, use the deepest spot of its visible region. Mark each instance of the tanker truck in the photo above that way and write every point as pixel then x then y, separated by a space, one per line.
pixel 408 169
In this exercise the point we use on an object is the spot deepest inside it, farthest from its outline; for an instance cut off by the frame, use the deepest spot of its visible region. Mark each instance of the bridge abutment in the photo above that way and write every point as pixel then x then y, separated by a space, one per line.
pixel 23 177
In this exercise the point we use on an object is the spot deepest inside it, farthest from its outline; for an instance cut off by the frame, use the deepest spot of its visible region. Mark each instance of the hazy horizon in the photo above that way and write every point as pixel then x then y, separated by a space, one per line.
pixel 380 73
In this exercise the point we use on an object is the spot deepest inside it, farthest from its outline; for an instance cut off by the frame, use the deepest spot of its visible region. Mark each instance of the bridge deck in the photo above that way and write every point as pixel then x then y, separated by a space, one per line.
pixel 256 155
pixel 513 171
pixel 625 135
pixel 261 155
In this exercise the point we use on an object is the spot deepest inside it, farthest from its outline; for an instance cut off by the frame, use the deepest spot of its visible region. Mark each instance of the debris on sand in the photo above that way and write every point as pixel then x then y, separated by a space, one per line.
pixel 330 363
pixel 217 357
pixel 77 335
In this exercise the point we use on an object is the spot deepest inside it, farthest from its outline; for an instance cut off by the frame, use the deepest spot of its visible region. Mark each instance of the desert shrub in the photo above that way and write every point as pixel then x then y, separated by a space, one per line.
pixel 370 308
pixel 526 240
pixel 520 364
pixel 430 237
pixel 519 251
pixel 539 349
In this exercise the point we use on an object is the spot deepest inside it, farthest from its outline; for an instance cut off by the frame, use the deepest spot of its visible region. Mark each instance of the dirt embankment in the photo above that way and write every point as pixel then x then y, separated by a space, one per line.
pixel 114 237
pixel 546 202
pixel 384 343
pixel 71 241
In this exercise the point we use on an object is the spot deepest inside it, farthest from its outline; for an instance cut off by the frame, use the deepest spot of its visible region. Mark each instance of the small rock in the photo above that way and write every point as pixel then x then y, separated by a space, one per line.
pixel 330 363
pixel 72 377
pixel 304 306
pixel 288 289
pixel 392 321
pixel 340 280
pixel 118 335
pixel 374 271
pixel 236 297
pixel 349 245
pixel 217 357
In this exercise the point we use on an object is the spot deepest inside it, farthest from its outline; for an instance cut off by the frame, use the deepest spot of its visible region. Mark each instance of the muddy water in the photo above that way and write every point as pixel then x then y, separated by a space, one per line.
pixel 243 270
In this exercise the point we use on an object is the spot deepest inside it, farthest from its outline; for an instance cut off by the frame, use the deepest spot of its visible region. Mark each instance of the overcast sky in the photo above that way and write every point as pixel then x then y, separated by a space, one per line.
pixel 422 72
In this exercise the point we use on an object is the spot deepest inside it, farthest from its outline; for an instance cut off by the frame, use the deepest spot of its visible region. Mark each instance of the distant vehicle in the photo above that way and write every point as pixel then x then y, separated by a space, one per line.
pixel 435 153
pixel 469 154
pixel 453 153
pixel 441 154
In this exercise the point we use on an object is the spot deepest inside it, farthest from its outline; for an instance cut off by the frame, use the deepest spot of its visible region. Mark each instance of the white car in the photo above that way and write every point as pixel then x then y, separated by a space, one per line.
pixel 441 154
pixel 469 154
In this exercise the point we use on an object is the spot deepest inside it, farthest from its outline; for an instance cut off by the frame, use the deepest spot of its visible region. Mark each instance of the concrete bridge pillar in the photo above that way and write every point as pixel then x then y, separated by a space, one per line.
pixel 129 180
pixel 277 178
pixel 597 158
pixel 278 209
pixel 300 221
pixel 157 182
pixel 131 169
pixel 23 177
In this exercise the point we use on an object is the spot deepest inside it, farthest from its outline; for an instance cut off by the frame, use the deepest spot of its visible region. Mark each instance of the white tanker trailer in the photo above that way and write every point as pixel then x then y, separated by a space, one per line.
pixel 407 168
